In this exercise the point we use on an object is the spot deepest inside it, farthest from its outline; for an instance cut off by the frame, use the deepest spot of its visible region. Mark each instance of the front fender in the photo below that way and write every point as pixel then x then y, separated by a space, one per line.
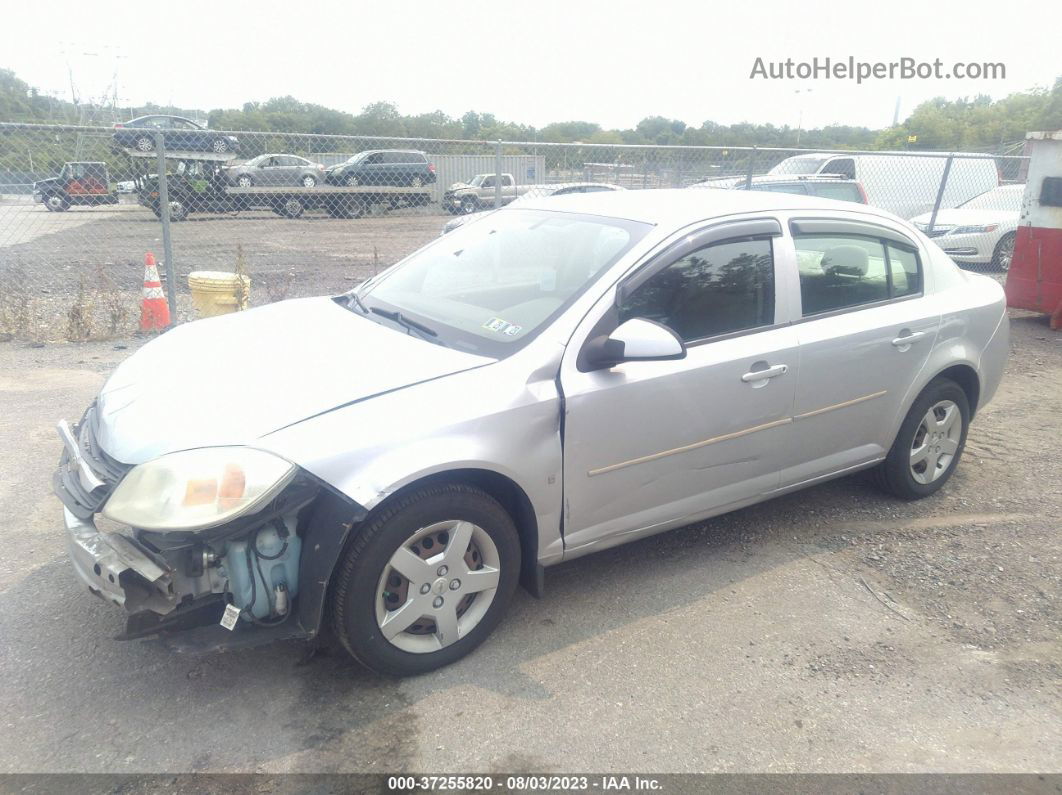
pixel 482 419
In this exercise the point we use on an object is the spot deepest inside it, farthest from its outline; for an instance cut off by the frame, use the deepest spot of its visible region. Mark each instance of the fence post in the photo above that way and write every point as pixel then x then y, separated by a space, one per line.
pixel 497 174
pixel 164 214
pixel 940 193
pixel 752 163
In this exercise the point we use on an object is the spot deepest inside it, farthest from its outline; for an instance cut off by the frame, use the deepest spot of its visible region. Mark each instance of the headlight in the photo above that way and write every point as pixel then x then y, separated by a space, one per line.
pixel 973 230
pixel 197 489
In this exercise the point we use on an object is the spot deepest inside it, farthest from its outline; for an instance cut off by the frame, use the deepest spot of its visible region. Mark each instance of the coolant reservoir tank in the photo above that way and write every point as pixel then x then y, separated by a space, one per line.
pixel 273 560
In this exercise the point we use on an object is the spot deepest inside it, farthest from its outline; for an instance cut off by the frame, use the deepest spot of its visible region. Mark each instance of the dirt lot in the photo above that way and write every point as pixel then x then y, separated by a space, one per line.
pixel 831 630
pixel 47 258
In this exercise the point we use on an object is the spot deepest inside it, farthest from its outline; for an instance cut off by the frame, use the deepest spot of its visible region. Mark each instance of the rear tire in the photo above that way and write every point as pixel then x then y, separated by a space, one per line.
pixel 929 443
pixel 309 181
pixel 371 593
pixel 291 208
pixel 144 144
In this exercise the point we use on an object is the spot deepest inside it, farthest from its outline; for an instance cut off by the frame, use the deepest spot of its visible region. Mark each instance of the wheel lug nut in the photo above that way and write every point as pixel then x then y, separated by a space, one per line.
pixel 443 570
pixel 425 588
pixel 438 602
pixel 455 584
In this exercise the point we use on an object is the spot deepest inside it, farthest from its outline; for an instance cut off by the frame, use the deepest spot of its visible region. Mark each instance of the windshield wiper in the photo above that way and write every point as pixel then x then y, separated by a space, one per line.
pixel 412 325
pixel 356 301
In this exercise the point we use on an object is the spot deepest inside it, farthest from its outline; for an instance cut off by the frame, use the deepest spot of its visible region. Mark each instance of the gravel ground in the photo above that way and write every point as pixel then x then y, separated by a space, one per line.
pixel 832 630
pixel 46 258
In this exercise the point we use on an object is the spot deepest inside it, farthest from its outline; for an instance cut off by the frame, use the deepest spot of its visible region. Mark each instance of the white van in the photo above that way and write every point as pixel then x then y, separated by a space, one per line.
pixel 904 184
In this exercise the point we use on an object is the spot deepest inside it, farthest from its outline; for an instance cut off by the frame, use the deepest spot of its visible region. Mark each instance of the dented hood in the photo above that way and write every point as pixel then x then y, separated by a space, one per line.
pixel 235 378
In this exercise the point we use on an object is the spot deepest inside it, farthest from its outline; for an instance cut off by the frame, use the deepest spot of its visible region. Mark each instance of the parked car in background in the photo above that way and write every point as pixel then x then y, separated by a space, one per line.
pixel 398 168
pixel 553 380
pixel 980 231
pixel 178 134
pixel 275 169
pixel 536 192
pixel 826 186
pixel 479 192
pixel 85 183
pixel 905 184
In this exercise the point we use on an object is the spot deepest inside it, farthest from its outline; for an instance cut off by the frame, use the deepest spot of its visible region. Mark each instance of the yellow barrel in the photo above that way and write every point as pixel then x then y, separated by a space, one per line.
pixel 218 292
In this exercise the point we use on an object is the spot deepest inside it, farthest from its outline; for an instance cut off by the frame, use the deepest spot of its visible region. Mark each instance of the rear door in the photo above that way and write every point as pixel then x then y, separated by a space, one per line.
pixel 649 445
pixel 865 331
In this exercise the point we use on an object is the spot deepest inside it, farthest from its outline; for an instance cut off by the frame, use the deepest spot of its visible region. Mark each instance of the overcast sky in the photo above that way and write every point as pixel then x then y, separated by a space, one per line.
pixel 533 62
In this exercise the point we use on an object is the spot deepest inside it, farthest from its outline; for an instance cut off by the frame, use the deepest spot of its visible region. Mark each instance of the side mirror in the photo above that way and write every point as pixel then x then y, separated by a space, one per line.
pixel 636 340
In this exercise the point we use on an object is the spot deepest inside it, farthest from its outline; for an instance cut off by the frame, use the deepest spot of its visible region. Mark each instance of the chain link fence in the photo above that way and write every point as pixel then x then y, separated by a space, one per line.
pixel 316 214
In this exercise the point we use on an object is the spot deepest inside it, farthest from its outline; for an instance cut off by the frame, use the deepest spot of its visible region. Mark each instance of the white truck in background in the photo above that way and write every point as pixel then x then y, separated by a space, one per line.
pixel 904 184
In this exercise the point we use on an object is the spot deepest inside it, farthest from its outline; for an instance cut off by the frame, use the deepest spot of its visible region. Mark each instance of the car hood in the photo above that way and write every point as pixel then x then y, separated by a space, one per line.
pixel 232 379
pixel 957 216
pixel 41 183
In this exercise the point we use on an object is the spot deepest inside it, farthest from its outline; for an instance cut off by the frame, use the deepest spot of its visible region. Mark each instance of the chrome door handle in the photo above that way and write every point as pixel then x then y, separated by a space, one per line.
pixel 900 342
pixel 770 372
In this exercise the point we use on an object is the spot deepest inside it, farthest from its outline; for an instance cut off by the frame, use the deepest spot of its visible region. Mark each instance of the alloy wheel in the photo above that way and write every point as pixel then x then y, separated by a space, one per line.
pixel 1006 254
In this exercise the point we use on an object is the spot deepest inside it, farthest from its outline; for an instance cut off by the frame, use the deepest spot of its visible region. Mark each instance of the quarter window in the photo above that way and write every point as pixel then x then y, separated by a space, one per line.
pixel 718 289
pixel 844 271
pixel 906 275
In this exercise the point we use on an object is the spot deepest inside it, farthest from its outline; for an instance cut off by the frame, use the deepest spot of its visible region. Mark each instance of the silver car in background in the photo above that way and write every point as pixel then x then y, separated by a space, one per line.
pixel 558 378
pixel 276 169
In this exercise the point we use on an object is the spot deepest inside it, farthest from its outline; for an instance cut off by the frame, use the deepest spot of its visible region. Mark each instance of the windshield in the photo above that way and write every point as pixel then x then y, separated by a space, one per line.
pixel 1007 199
pixel 489 286
pixel 358 157
pixel 799 165
pixel 477 180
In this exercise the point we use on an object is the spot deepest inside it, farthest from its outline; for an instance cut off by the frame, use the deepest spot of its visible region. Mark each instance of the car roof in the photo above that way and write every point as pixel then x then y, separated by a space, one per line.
pixel 677 207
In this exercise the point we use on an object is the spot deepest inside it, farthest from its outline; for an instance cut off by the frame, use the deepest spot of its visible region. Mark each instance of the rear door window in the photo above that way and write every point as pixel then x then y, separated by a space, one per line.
pixel 840 272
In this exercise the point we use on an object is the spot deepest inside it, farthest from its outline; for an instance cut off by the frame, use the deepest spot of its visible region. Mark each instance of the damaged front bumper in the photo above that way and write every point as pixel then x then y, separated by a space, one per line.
pixel 108 563
pixel 185 580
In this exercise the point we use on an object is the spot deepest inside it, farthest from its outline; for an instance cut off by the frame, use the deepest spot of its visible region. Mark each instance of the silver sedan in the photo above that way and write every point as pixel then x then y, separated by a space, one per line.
pixel 553 380
pixel 267 170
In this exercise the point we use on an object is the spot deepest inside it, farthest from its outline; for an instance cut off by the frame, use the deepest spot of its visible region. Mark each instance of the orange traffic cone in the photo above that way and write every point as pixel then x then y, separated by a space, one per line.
pixel 154 311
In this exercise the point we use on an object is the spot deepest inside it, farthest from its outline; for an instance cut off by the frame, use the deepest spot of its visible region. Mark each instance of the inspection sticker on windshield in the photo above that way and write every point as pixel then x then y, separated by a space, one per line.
pixel 503 326
pixel 230 617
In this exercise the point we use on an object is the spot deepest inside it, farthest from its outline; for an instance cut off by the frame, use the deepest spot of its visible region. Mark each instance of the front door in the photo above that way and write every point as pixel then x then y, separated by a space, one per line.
pixel 654 444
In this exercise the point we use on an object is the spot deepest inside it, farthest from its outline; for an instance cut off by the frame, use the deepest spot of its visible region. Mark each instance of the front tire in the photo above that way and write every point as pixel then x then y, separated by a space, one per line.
pixel 351 181
pixel 244 181
pixel 1004 252
pixel 426 580
pixel 56 203
pixel 929 444
pixel 469 205
pixel 220 146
